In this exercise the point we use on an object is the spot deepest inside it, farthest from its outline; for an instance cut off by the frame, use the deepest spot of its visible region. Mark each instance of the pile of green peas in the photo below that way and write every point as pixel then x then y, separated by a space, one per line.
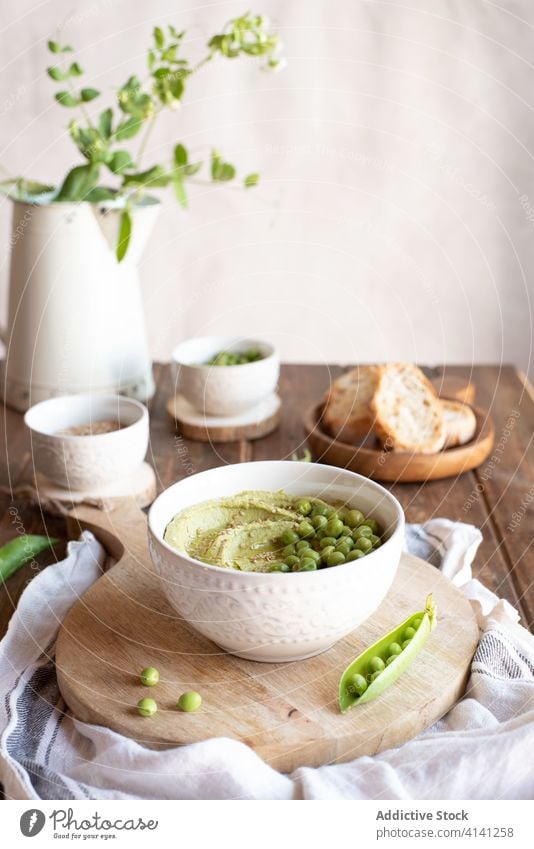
pixel 326 536
pixel 188 702
pixel 358 683
pixel 235 358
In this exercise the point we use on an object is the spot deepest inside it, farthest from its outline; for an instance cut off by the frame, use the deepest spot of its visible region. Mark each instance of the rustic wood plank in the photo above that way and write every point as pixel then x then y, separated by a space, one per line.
pixel 506 480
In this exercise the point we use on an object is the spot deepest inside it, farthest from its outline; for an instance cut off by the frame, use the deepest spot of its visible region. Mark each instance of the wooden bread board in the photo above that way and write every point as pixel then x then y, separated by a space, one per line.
pixel 371 460
pixel 285 712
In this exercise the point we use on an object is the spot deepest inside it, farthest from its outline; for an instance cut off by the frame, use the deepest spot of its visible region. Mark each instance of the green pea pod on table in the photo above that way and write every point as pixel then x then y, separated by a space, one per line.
pixel 21 550
pixel 381 664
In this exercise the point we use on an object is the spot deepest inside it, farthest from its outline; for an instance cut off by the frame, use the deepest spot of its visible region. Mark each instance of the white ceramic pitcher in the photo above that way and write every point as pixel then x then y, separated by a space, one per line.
pixel 76 321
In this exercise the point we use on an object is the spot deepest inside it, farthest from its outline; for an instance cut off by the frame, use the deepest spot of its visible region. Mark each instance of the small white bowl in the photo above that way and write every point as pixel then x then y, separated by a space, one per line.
pixel 85 462
pixel 276 616
pixel 224 390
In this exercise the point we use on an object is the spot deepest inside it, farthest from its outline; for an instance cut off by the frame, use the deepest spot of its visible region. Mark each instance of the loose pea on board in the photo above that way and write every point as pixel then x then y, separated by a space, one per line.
pixel 365 666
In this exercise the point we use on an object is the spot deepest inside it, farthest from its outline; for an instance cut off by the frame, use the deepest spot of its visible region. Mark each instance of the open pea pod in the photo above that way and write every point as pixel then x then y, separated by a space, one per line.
pixel 381 664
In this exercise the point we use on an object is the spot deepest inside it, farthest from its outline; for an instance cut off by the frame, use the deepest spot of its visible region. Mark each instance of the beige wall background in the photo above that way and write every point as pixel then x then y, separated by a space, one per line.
pixel 395 216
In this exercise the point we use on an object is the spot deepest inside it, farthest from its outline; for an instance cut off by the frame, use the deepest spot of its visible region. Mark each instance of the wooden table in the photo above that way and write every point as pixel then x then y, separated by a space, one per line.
pixel 498 497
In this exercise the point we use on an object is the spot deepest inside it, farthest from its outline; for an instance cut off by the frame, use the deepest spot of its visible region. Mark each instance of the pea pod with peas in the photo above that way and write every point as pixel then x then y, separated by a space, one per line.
pixel 383 663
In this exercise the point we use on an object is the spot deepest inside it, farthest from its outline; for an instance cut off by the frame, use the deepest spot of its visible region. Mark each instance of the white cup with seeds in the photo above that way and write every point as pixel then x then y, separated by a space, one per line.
pixel 80 442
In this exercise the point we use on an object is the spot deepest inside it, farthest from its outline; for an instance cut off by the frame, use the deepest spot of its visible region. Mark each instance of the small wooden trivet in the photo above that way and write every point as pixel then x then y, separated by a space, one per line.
pixel 140 485
pixel 250 424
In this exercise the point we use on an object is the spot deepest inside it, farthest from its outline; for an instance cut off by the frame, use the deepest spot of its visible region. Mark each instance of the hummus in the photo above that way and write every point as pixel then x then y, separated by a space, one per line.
pixel 239 532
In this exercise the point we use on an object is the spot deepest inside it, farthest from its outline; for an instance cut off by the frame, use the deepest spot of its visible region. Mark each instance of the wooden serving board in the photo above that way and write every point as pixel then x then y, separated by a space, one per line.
pixel 398 466
pixel 286 712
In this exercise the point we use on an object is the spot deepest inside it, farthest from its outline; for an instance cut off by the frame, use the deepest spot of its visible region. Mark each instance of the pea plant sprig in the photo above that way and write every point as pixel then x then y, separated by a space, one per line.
pixel 100 140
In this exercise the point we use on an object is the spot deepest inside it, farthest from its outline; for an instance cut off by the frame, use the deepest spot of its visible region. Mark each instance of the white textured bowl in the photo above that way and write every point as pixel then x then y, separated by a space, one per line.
pixel 224 390
pixel 85 462
pixel 276 616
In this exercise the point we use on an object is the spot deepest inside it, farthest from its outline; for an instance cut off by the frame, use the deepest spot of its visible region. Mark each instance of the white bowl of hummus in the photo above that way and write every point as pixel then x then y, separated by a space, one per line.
pixel 257 614
pixel 224 390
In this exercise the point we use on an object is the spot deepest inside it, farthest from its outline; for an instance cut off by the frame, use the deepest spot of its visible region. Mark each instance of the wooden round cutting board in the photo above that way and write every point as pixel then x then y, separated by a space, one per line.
pixel 286 712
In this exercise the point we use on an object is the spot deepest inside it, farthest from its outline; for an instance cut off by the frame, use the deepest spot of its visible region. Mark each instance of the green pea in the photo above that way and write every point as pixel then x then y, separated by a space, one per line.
pixel 189 701
pixel 334 527
pixel 363 531
pixel 391 658
pixel 375 541
pixel 376 664
pixel 417 622
pixel 305 530
pixel 291 560
pixel 319 510
pixel 326 552
pixel 357 684
pixel 364 544
pixel 313 555
pixel 304 507
pixel 354 518
pixel 307 565
pixel 278 566
pixel 301 545
pixel 344 546
pixel 355 554
pixel 346 531
pixel 394 648
pixel 287 551
pixel 147 707
pixel 374 676
pixel 405 644
pixel 289 536
pixel 319 522
pixel 326 541
pixel 149 676
pixel 336 558
pixel 409 633
pixel 373 524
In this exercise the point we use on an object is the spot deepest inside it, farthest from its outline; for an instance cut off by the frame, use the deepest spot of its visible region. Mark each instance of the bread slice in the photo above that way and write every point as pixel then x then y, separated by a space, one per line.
pixel 347 414
pixel 460 423
pixel 408 413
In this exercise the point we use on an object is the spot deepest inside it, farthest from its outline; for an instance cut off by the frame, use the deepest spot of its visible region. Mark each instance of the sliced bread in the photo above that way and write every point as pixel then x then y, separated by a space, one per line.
pixel 347 414
pixel 408 413
pixel 460 423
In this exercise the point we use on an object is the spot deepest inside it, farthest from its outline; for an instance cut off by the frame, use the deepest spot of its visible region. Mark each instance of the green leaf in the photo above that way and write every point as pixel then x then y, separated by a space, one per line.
pixel 66 99
pixel 180 155
pixel 179 189
pixel 105 123
pixel 120 162
pixel 57 74
pixel 101 193
pixel 128 129
pixel 192 168
pixel 89 94
pixel 251 180
pixel 56 47
pixel 159 38
pixel 79 182
pixel 75 70
pixel 175 34
pixel 155 177
pixel 125 232
pixel 221 172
